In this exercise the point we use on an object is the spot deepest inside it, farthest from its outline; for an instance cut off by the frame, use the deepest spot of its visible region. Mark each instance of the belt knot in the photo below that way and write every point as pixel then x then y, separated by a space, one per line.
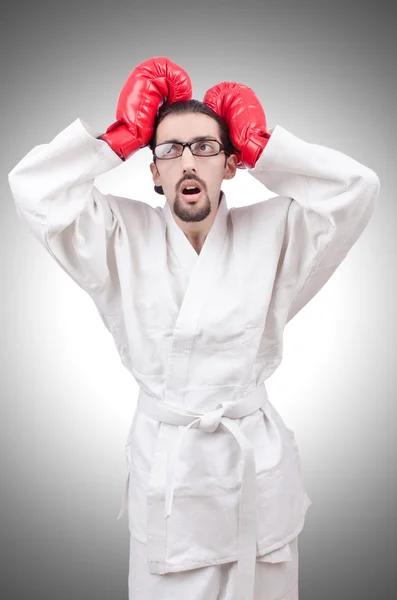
pixel 210 421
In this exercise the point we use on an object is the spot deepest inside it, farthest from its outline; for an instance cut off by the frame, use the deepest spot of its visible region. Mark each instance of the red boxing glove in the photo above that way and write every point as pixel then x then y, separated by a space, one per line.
pixel 152 83
pixel 245 118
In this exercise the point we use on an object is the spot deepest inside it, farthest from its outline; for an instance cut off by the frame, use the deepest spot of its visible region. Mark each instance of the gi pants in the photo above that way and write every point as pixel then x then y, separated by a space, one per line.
pixel 273 581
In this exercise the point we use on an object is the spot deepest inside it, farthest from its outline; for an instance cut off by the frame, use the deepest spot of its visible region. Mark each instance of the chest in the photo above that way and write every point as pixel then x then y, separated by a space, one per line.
pixel 180 316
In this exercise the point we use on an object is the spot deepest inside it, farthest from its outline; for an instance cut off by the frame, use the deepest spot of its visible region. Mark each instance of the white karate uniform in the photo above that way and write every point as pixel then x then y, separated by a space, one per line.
pixel 213 472
pixel 276 578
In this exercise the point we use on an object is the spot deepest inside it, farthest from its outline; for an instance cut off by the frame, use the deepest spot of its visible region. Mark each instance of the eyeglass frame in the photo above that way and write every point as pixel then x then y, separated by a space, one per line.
pixel 189 144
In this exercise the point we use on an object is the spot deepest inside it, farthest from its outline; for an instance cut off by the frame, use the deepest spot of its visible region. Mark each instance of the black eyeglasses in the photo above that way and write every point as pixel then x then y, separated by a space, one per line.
pixel 169 150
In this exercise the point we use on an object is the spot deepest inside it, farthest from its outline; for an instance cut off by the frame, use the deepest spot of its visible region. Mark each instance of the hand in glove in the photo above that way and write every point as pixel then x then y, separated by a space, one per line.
pixel 245 118
pixel 152 83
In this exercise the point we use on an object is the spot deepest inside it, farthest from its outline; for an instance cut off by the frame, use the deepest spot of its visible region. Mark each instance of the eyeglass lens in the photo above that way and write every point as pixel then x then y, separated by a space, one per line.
pixel 201 148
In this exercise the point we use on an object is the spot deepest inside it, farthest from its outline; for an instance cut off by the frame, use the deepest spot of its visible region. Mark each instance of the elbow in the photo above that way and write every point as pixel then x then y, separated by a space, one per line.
pixel 362 193
pixel 13 182
pixel 19 185
pixel 368 194
pixel 365 188
pixel 370 184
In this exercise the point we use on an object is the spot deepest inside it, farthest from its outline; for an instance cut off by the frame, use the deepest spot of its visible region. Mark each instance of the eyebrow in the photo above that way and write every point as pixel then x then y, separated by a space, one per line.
pixel 199 138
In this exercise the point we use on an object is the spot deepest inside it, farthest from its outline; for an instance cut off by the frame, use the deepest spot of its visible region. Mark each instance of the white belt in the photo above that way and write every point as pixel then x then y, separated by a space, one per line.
pixel 223 415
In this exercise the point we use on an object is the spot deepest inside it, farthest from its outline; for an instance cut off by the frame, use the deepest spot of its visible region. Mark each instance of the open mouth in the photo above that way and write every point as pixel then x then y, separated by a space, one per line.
pixel 191 192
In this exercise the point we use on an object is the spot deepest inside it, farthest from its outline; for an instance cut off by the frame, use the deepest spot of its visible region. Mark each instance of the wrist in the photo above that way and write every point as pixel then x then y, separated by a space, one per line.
pixel 254 148
pixel 121 140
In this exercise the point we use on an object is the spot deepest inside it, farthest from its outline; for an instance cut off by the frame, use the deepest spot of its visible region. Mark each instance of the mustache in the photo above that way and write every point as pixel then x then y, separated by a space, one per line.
pixel 191 178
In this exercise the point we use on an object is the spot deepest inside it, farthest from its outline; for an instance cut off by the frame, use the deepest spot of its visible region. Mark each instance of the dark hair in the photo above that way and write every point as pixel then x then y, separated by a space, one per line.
pixel 192 106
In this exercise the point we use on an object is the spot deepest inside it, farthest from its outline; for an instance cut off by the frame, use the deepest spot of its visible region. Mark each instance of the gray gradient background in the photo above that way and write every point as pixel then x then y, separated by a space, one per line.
pixel 325 71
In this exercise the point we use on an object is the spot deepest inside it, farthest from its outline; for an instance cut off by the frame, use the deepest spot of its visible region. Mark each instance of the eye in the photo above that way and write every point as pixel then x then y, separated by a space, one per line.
pixel 206 148
pixel 203 146
pixel 168 150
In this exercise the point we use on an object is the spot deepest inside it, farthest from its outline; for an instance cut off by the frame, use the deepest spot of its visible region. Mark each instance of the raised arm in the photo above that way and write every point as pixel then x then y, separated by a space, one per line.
pixel 330 196
pixel 53 185
pixel 54 194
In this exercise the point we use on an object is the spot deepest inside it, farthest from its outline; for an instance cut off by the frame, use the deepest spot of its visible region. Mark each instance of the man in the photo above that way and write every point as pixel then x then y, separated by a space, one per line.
pixel 193 212
pixel 196 296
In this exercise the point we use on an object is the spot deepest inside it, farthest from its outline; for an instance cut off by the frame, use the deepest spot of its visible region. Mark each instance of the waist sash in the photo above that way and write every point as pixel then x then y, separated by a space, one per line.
pixel 223 415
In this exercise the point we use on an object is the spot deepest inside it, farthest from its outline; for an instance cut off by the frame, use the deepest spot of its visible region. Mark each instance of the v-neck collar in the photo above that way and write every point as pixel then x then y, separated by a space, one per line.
pixel 180 244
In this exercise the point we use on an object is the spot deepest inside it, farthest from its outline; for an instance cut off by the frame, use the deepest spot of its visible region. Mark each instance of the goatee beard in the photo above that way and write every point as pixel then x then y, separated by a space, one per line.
pixel 192 213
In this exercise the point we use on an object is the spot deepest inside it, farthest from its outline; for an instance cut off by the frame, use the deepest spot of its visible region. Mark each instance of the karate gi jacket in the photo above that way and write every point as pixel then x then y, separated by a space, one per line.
pixel 214 474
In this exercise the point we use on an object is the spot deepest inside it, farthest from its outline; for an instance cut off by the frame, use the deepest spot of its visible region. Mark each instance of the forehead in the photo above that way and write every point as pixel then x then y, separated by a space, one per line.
pixel 185 127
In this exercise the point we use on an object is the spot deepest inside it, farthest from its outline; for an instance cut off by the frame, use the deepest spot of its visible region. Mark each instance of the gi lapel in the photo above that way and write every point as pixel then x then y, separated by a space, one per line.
pixel 202 268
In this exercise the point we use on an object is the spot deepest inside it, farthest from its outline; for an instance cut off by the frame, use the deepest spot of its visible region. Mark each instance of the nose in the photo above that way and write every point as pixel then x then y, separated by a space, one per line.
pixel 188 160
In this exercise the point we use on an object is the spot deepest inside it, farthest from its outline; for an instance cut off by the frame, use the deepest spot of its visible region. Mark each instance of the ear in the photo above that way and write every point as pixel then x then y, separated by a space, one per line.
pixel 230 167
pixel 155 174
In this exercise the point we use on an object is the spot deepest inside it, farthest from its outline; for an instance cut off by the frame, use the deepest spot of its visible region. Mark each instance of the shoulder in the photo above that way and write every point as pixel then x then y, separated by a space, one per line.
pixel 269 211
pixel 135 212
